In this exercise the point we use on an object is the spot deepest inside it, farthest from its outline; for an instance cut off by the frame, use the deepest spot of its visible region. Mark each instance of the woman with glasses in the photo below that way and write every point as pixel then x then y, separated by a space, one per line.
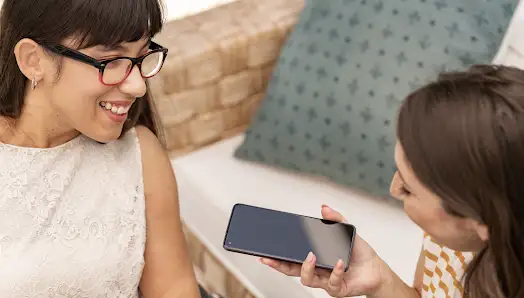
pixel 88 198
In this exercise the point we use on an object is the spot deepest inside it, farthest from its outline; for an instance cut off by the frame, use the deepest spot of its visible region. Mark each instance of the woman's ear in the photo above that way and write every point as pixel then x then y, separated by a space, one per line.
pixel 29 56
pixel 482 231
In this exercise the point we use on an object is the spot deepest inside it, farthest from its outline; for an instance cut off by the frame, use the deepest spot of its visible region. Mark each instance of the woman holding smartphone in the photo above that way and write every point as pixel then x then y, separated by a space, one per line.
pixel 460 161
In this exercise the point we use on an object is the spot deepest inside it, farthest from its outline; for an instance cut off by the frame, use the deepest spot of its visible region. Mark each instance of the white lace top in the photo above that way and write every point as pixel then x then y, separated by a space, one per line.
pixel 72 219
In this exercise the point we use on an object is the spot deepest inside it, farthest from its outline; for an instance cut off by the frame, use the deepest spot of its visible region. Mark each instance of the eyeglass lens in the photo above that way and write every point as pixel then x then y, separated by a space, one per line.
pixel 117 70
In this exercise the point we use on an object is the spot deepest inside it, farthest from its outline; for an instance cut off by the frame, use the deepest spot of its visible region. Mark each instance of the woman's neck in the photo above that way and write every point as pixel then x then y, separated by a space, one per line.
pixel 18 133
pixel 38 126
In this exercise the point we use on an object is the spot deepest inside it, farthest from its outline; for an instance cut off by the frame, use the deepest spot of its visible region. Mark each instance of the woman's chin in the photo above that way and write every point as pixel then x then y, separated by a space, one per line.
pixel 105 135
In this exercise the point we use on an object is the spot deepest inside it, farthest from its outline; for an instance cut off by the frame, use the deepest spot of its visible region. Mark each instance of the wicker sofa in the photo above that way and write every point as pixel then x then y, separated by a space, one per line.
pixel 219 64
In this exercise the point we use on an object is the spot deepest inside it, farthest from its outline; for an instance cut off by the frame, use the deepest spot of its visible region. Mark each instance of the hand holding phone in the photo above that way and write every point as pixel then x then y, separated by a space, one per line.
pixel 363 277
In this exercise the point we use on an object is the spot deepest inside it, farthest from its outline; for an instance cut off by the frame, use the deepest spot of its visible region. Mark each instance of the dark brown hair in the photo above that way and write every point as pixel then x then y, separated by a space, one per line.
pixel 463 136
pixel 90 22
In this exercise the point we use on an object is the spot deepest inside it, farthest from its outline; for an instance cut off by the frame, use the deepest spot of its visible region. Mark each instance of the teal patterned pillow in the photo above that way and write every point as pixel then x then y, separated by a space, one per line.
pixel 331 104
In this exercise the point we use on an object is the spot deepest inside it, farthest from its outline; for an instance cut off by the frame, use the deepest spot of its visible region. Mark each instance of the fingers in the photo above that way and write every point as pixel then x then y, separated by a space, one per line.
pixel 310 276
pixel 330 214
pixel 283 267
pixel 335 282
pixel 307 274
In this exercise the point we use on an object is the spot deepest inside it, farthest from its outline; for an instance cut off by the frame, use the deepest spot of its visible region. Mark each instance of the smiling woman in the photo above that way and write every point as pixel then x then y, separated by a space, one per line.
pixel 84 177
pixel 92 25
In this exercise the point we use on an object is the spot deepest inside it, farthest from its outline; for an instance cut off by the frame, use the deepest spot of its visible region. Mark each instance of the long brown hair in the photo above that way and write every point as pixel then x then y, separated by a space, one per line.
pixel 463 136
pixel 91 22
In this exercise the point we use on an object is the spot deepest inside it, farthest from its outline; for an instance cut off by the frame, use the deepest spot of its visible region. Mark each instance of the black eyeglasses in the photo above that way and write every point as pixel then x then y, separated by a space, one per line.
pixel 116 70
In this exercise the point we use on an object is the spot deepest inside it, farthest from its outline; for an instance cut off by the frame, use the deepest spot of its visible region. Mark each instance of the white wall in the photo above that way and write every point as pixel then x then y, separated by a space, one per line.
pixel 180 8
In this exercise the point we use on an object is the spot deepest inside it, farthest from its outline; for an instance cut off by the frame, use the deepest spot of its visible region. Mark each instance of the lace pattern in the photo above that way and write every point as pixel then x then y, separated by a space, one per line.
pixel 72 219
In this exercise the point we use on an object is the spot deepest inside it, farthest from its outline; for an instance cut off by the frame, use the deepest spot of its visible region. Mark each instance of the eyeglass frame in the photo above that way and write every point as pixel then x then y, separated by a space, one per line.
pixel 101 64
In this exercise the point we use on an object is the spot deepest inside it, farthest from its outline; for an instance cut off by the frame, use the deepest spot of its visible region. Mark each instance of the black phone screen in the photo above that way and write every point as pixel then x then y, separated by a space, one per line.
pixel 289 237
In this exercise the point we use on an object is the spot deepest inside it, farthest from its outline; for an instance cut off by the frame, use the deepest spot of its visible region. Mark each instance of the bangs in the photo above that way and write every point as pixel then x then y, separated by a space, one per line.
pixel 111 22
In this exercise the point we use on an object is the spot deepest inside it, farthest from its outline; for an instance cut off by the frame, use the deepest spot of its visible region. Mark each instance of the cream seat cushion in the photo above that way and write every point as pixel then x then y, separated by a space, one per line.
pixel 211 181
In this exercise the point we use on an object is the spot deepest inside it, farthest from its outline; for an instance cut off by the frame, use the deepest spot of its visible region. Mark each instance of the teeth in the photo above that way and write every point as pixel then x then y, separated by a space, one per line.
pixel 115 109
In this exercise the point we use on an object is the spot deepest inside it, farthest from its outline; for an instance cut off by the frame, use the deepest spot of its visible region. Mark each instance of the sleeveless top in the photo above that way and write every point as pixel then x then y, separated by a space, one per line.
pixel 443 270
pixel 72 219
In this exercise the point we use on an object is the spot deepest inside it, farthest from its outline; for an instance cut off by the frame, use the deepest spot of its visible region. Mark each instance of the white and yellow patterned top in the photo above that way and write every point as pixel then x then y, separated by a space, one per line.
pixel 443 270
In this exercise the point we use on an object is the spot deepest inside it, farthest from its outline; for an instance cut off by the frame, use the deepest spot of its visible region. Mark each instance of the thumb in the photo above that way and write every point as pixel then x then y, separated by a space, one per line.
pixel 330 214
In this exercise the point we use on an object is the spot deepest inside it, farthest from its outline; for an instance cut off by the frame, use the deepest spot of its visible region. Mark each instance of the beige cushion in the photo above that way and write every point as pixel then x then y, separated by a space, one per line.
pixel 211 181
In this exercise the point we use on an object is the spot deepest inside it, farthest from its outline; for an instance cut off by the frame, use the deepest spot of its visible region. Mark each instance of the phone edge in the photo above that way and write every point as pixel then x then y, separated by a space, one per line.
pixel 229 224
pixel 350 253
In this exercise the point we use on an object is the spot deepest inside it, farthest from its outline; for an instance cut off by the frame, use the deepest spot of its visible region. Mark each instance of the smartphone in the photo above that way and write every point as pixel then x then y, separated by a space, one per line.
pixel 288 237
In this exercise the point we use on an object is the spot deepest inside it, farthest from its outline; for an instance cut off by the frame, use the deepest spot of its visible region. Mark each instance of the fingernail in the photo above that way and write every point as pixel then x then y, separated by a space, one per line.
pixel 263 261
pixel 325 206
pixel 340 264
pixel 310 257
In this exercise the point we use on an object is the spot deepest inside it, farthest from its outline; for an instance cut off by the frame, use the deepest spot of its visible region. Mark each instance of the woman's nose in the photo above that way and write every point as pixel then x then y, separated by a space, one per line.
pixel 394 189
pixel 134 84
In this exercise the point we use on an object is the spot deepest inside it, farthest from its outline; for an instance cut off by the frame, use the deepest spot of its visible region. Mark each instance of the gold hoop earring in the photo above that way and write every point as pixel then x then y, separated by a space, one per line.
pixel 34 83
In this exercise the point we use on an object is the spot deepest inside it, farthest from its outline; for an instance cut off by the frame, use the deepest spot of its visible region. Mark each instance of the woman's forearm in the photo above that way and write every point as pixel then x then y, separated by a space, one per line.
pixel 393 287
